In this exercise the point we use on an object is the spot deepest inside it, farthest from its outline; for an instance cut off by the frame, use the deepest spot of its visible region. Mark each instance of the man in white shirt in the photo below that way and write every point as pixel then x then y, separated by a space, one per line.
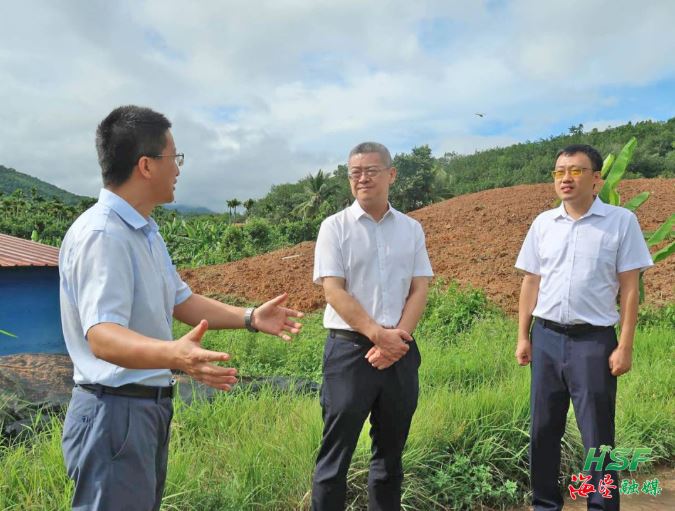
pixel 576 258
pixel 375 271
pixel 119 295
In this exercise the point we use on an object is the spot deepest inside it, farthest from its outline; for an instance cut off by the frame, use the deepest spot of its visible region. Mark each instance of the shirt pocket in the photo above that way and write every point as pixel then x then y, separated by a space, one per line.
pixel 596 251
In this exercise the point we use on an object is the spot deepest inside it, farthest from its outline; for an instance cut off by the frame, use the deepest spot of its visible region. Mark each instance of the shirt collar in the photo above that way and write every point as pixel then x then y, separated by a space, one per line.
pixel 125 210
pixel 358 211
pixel 597 208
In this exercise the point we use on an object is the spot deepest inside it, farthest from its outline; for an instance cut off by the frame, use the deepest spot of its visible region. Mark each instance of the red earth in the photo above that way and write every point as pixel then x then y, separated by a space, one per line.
pixel 473 239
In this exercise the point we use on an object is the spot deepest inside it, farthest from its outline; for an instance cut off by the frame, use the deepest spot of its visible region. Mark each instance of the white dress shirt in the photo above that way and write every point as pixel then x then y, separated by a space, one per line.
pixel 378 261
pixel 579 262
pixel 115 268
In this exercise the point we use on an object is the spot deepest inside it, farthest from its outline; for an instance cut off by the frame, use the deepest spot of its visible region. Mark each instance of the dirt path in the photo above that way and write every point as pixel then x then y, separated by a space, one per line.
pixel 473 239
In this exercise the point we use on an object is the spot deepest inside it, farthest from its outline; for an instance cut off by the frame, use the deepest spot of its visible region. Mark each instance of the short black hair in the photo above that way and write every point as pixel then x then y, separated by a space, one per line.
pixel 590 151
pixel 126 134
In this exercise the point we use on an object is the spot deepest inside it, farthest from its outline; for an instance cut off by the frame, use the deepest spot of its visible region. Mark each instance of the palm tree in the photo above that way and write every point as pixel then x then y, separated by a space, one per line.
pixel 230 205
pixel 235 204
pixel 318 188
pixel 248 204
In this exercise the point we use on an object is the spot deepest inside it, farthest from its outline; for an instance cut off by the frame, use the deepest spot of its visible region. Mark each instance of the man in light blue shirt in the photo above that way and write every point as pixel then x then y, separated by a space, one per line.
pixel 119 294
pixel 576 258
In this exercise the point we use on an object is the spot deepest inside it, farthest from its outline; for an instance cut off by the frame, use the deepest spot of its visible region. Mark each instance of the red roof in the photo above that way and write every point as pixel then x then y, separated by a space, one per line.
pixel 18 252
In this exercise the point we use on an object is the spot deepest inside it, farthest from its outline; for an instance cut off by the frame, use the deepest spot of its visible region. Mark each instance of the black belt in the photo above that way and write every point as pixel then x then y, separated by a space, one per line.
pixel 351 336
pixel 129 390
pixel 571 330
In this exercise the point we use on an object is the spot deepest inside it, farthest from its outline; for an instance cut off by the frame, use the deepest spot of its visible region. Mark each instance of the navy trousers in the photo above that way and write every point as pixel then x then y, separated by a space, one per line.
pixel 351 390
pixel 565 367
pixel 116 451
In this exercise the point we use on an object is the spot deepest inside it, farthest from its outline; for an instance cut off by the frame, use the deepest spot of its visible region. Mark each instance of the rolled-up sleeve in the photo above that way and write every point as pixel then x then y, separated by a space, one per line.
pixel 327 254
pixel 103 293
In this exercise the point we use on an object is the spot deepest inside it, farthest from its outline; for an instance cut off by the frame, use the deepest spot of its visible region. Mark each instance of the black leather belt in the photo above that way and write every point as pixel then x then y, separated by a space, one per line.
pixel 355 337
pixel 129 390
pixel 350 336
pixel 571 330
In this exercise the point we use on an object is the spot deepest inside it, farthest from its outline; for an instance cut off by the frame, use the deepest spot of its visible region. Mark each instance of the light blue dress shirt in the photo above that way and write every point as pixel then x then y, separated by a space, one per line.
pixel 579 262
pixel 378 261
pixel 115 268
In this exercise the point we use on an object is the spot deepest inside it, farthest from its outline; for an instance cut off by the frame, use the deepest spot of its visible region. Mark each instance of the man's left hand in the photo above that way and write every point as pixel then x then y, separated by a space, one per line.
pixel 273 318
pixel 377 359
pixel 620 361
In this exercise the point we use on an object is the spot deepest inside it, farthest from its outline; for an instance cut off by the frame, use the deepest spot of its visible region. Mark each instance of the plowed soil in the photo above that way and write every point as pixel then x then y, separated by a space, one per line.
pixel 473 239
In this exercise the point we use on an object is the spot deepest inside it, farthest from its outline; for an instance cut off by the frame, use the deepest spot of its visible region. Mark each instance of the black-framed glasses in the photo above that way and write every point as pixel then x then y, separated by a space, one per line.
pixel 179 158
pixel 369 172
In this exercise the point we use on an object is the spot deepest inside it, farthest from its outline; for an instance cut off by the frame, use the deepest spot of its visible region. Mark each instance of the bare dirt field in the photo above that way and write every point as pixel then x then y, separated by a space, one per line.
pixel 473 239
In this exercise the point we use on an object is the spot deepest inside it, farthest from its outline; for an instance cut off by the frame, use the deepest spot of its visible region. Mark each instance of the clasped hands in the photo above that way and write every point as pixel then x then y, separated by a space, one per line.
pixel 199 363
pixel 391 344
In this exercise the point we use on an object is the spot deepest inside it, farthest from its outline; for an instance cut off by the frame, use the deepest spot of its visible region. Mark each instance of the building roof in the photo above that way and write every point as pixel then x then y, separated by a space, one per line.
pixel 18 252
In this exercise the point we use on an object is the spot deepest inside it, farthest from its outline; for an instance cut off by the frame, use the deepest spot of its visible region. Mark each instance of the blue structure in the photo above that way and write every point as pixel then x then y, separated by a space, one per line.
pixel 29 298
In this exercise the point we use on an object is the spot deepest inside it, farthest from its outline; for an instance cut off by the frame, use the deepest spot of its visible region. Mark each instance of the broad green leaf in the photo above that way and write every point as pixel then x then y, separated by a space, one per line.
pixel 636 201
pixel 607 164
pixel 617 171
pixel 5 332
pixel 660 255
pixel 614 197
pixel 662 232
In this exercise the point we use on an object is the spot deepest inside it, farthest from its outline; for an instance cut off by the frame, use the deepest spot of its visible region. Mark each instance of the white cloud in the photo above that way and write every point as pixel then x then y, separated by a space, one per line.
pixel 266 92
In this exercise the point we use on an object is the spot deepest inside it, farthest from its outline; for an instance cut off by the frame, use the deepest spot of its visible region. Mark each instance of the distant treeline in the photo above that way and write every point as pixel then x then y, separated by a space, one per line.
pixel 291 213
pixel 424 179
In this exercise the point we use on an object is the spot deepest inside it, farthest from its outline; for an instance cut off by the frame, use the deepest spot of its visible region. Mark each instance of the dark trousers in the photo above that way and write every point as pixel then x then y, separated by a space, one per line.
pixel 562 367
pixel 351 390
pixel 116 450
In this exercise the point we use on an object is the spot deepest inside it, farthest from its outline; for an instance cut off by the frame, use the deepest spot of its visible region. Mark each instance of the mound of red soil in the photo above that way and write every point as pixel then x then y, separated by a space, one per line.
pixel 473 239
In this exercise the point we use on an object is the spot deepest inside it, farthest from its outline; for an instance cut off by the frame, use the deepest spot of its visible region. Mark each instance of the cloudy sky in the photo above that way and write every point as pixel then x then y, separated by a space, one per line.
pixel 265 92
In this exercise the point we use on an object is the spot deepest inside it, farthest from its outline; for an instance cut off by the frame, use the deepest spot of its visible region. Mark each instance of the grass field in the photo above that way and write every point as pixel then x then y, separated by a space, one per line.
pixel 467 446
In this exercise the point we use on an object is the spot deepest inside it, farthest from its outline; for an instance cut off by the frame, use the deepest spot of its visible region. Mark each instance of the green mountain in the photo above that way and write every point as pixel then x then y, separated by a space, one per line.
pixel 12 180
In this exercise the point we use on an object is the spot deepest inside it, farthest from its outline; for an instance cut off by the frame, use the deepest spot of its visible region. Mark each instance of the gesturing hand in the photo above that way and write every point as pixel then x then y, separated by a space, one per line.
pixel 272 318
pixel 196 361
pixel 391 342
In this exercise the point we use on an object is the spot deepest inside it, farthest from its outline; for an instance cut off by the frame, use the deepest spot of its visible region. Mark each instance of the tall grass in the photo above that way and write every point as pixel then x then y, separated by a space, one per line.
pixel 467 446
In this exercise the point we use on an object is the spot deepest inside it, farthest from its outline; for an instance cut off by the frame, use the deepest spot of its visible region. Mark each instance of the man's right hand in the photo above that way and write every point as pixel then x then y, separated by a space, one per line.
pixel 194 360
pixel 524 352
pixel 391 342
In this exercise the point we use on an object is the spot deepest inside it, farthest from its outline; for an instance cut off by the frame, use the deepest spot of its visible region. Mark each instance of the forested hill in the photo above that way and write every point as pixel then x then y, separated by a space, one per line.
pixel 530 162
pixel 424 179
pixel 12 180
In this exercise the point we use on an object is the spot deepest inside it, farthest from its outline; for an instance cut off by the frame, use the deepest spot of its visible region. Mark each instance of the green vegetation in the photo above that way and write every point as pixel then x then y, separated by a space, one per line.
pixel 467 446
pixel 292 212
pixel 12 180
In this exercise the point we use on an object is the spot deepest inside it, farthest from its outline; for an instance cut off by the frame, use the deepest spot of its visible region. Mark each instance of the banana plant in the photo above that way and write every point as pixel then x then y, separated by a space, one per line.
pixel 613 170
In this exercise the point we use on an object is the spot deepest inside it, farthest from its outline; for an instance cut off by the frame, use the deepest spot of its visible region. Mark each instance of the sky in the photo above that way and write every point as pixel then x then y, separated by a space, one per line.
pixel 263 92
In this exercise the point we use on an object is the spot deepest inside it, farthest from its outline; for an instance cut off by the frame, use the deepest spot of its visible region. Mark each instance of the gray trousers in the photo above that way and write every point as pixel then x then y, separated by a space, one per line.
pixel 565 367
pixel 116 450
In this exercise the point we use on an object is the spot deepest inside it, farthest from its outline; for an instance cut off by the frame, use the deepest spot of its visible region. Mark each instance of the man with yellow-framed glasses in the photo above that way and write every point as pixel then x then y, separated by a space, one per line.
pixel 576 258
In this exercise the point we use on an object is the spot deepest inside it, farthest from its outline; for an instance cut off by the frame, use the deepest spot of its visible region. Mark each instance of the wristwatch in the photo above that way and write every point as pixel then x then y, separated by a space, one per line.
pixel 248 318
